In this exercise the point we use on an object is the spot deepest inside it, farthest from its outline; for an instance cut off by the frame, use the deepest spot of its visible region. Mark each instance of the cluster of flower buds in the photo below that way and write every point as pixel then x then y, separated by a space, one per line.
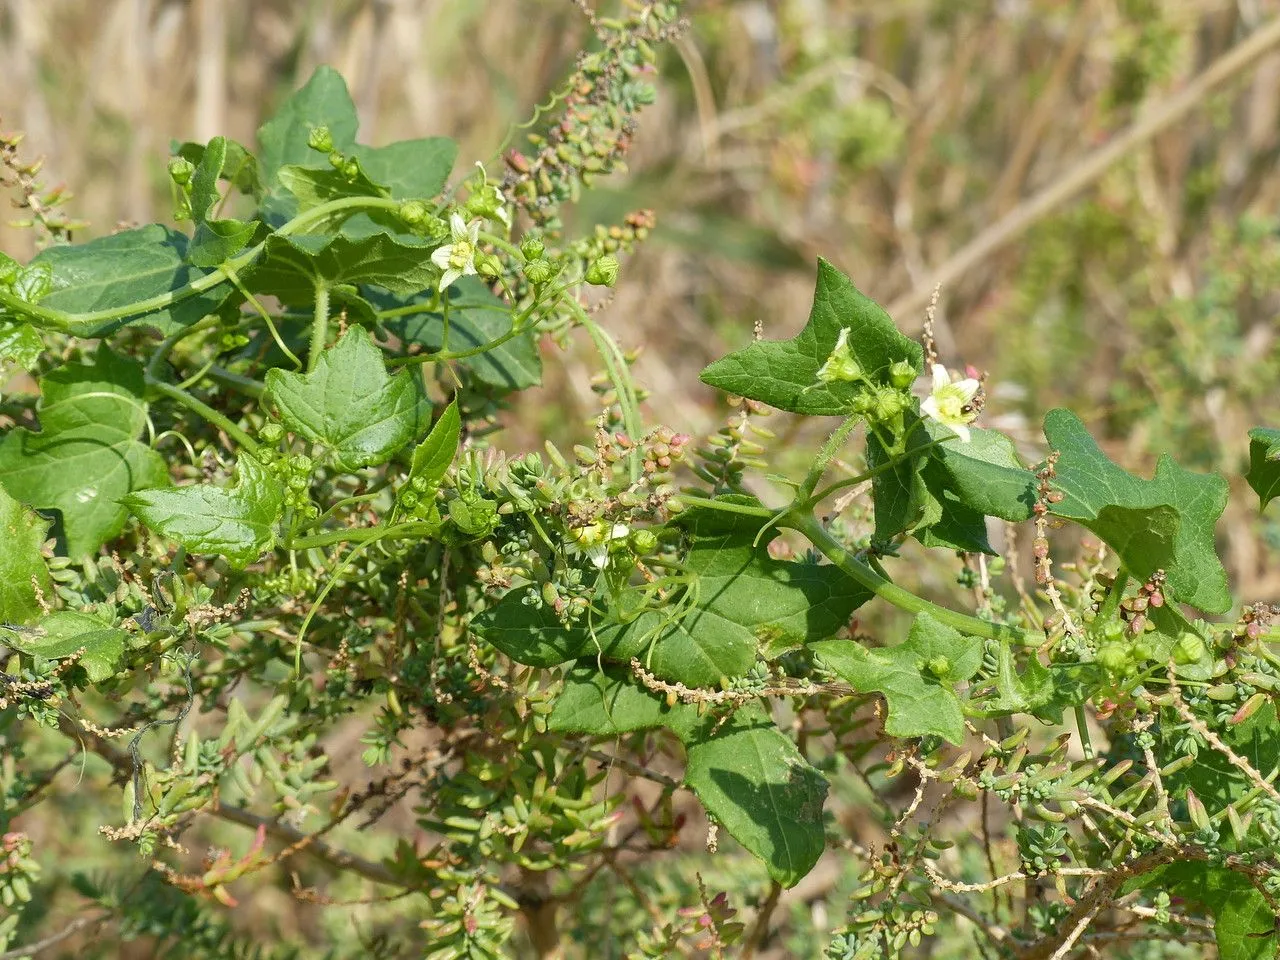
pixel 595 129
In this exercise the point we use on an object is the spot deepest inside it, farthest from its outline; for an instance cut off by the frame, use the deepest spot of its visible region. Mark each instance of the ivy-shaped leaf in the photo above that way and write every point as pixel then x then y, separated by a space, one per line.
pixel 125 268
pixel 476 317
pixel 349 404
pixel 24 576
pixel 322 102
pixel 1264 464
pixel 1166 522
pixel 611 702
pixel 215 241
pixel 293 268
pixel 237 522
pixel 986 474
pixel 916 677
pixel 86 455
pixel 784 373
pixel 408 169
pixel 755 783
pixel 20 343
pixel 65 633
pixel 1244 926
pixel 903 501
pixel 742 604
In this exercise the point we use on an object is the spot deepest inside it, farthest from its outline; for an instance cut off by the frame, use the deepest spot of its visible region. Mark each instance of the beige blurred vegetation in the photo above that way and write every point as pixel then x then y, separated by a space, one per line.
pixel 883 134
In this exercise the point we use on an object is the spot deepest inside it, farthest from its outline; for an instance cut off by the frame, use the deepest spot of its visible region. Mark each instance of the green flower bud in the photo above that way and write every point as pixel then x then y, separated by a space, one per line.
pixel 180 170
pixel 539 271
pixel 939 666
pixel 902 374
pixel 1114 657
pixel 485 201
pixel 643 542
pixel 1189 649
pixel 320 139
pixel 603 272
pixel 488 265
pixel 532 247
pixel 888 405
pixel 840 365
pixel 413 213
pixel 271 433
pixel 864 402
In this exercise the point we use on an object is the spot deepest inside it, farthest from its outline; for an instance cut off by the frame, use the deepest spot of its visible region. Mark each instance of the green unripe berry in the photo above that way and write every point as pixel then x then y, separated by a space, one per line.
pixel 643 542
pixel 939 666
pixel 488 265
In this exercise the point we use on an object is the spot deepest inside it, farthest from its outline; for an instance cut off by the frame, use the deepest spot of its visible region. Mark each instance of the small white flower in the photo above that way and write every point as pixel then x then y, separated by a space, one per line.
pixel 458 259
pixel 951 404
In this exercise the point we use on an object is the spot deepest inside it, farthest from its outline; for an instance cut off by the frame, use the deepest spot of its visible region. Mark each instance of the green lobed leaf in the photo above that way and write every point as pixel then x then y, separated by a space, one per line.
pixel 1167 522
pixel 920 701
pixel 1244 926
pixel 432 457
pixel 63 633
pixel 476 317
pixel 986 473
pixel 239 166
pixel 322 101
pixel 742 604
pixel 349 404
pixel 125 268
pixel 903 501
pixel 24 576
pixel 1264 464
pixel 86 455
pixel 237 522
pixel 20 344
pixel 610 702
pixel 784 373
pixel 215 241
pixel 755 783
pixel 408 169
pixel 293 268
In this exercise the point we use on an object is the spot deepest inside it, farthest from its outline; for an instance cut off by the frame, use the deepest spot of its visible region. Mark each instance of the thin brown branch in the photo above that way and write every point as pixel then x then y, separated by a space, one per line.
pixel 1082 175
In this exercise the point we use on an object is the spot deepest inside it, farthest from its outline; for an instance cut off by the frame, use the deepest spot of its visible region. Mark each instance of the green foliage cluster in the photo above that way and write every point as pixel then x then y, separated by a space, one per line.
pixel 257 505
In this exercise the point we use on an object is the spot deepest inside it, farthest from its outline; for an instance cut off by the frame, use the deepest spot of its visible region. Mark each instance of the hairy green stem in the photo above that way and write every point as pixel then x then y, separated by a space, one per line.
pixel 399 531
pixel 886 589
pixel 829 450
pixel 319 327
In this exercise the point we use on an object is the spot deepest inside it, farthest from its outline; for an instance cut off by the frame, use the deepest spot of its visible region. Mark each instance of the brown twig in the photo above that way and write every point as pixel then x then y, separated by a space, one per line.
pixel 1084 173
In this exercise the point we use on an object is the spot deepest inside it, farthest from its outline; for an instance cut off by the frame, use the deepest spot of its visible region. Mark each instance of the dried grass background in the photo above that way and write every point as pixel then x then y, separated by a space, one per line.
pixel 757 158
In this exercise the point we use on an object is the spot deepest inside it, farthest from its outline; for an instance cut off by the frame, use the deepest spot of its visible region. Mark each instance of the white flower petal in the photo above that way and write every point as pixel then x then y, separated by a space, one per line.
pixel 441 257
pixel 449 276
pixel 929 407
pixel 473 232
pixel 457 226
pixel 968 387
pixel 961 431
pixel 940 376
